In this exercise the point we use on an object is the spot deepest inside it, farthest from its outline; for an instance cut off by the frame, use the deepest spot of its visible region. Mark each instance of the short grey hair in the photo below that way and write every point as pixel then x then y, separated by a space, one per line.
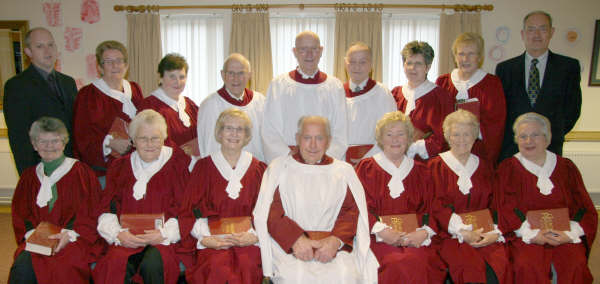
pixel 389 118
pixel 234 113
pixel 460 116
pixel 148 117
pixel 536 118
pixel 314 118
pixel 238 57
pixel 537 12
pixel 47 124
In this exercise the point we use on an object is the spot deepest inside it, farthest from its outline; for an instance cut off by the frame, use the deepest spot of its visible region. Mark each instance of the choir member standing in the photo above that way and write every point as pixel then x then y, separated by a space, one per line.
pixel 234 94
pixel 367 100
pixel 482 91
pixel 223 185
pixel 305 195
pixel 61 191
pixel 423 101
pixel 537 179
pixel 150 180
pixel 465 183
pixel 180 112
pixel 303 91
pixel 395 184
pixel 98 105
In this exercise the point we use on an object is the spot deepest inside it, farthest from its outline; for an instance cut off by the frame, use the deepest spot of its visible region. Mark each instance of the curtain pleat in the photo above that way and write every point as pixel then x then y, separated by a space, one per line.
pixel 144 48
pixel 450 27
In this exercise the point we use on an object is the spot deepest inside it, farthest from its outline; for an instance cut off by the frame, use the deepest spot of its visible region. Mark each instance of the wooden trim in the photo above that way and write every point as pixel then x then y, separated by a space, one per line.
pixel 250 7
pixel 583 136
pixel 3 133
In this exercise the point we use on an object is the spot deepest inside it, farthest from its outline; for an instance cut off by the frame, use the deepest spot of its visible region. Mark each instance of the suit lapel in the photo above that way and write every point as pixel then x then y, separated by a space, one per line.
pixel 40 83
pixel 547 75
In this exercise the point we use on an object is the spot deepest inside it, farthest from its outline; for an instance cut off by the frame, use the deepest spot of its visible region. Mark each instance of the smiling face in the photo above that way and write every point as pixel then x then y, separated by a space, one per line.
pixel 49 145
pixel 236 76
pixel 358 65
pixel 312 142
pixel 395 140
pixel 532 142
pixel 173 82
pixel 233 135
pixel 148 142
pixel 113 67
pixel 467 59
pixel 416 69
pixel 308 53
pixel 536 34
pixel 42 50
pixel 461 140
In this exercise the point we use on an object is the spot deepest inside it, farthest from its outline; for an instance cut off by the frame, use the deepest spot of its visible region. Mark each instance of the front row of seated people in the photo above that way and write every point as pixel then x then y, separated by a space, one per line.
pixel 298 197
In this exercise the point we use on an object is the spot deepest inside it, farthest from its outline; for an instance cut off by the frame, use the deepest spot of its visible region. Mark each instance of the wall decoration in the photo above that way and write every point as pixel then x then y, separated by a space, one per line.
pixel 503 34
pixel 90 11
pixel 90 63
pixel 73 38
pixel 497 53
pixel 53 13
pixel 594 66
pixel 572 36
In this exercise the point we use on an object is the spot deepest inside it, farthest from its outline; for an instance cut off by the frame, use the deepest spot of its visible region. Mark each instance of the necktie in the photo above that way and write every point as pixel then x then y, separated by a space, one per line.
pixel 533 88
pixel 54 87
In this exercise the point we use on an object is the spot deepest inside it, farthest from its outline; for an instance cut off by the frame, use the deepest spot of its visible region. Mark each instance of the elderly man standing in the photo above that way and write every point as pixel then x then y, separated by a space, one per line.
pixel 311 215
pixel 38 91
pixel 540 81
pixel 303 91
pixel 234 94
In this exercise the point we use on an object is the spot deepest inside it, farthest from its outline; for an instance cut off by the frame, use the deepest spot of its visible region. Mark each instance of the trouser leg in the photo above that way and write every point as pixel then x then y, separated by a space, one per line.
pixel 21 271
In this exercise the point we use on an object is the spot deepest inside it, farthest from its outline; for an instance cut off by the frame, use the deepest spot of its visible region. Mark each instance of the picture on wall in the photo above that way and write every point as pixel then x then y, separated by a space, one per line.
pixel 594 66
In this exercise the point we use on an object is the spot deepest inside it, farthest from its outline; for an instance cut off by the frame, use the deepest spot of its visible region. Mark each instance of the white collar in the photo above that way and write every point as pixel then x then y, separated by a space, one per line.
pixel 144 174
pixel 398 174
pixel 177 105
pixel 463 86
pixel 540 58
pixel 124 97
pixel 46 182
pixel 232 176
pixel 411 95
pixel 542 173
pixel 241 98
pixel 361 85
pixel 464 172
pixel 306 76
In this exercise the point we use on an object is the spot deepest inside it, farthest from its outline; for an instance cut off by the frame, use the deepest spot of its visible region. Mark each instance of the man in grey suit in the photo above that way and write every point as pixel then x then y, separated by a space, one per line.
pixel 38 91
pixel 540 81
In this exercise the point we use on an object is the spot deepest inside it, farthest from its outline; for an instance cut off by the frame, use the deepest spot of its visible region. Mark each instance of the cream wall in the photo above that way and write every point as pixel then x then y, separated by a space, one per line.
pixel 577 14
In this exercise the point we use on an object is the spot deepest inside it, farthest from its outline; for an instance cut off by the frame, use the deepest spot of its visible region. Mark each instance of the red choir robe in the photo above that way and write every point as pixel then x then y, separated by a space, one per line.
pixel 492 110
pixel 467 263
pixel 531 262
pixel 78 193
pixel 93 115
pixel 401 264
pixel 428 117
pixel 177 133
pixel 164 194
pixel 206 193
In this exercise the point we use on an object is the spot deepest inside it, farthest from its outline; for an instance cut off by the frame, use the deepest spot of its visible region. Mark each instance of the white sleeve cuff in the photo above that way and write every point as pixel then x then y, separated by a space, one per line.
pixel 28 234
pixel 72 234
pixel 378 227
pixel 455 225
pixel 526 233
pixel 418 148
pixel 109 228
pixel 430 233
pixel 497 231
pixel 105 148
pixel 200 230
pixel 575 233
pixel 170 231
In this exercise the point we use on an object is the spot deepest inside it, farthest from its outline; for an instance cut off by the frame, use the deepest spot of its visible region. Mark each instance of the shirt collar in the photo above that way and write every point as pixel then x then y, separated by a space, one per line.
pixel 307 76
pixel 241 98
pixel 43 72
pixel 540 58
pixel 361 85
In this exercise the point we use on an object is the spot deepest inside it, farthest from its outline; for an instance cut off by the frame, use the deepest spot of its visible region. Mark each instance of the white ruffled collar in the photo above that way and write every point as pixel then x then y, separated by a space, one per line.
pixel 464 172
pixel 235 175
pixel 543 173
pixel 411 95
pixel 124 97
pixel 177 105
pixel 398 174
pixel 463 86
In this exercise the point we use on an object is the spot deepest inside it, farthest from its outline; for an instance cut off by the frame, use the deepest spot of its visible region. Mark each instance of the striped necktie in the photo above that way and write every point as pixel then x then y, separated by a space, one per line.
pixel 533 88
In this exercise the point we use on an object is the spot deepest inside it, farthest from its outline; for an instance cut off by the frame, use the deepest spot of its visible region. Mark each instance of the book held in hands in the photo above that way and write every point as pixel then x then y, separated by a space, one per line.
pixel 478 219
pixel 402 223
pixel 39 242
pixel 140 223
pixel 549 219
pixel 229 225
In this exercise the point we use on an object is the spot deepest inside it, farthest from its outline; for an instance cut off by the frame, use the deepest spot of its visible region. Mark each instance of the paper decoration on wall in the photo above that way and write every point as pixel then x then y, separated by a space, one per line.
pixel 90 62
pixel 73 38
pixel 79 83
pixel 497 53
pixel 503 34
pixel 53 13
pixel 572 36
pixel 90 11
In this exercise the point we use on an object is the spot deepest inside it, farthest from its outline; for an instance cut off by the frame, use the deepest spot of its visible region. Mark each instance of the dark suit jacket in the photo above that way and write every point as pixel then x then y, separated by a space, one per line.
pixel 559 99
pixel 27 97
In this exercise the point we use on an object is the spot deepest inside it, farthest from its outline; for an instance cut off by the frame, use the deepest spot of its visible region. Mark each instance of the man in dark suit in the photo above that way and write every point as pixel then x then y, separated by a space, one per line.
pixel 38 91
pixel 540 81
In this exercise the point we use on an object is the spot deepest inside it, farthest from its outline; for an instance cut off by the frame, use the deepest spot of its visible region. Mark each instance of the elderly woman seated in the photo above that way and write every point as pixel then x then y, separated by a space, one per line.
pixel 224 186
pixel 532 182
pixel 396 186
pixel 465 184
pixel 60 191
pixel 150 180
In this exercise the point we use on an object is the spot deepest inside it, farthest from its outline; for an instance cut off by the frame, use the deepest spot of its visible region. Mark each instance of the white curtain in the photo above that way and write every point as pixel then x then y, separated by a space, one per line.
pixel 199 38
pixel 400 29
pixel 285 27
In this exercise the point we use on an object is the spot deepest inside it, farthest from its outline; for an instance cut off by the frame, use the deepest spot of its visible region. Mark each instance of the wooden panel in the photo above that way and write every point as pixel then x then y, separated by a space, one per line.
pixel 583 136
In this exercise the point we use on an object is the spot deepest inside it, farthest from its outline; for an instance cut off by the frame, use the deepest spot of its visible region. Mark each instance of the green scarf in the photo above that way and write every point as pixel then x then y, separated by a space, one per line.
pixel 49 168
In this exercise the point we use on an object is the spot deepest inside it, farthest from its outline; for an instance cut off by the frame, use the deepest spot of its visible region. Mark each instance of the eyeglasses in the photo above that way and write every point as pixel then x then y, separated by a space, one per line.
pixel 533 136
pixel 51 142
pixel 235 74
pixel 111 61
pixel 231 129
pixel 146 140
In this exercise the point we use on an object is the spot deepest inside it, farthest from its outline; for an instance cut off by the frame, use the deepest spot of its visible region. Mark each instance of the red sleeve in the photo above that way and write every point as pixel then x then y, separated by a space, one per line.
pixel 493 117
pixel 440 205
pixel 436 143
pixel 22 215
pixel 91 122
pixel 347 220
pixel 582 200
pixel 283 229
pixel 507 197
pixel 362 171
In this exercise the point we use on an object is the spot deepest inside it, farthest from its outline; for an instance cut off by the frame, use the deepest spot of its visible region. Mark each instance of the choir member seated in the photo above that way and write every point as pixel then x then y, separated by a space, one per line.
pixel 311 215
pixel 473 89
pixel 423 101
pixel 107 101
pixel 180 112
pixel 223 188
pixel 474 249
pixel 61 191
pixel 399 191
pixel 150 180
pixel 546 244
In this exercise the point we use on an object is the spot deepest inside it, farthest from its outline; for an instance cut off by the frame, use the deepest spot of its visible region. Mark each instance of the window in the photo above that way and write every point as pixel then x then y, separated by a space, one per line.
pixel 199 38
pixel 398 30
